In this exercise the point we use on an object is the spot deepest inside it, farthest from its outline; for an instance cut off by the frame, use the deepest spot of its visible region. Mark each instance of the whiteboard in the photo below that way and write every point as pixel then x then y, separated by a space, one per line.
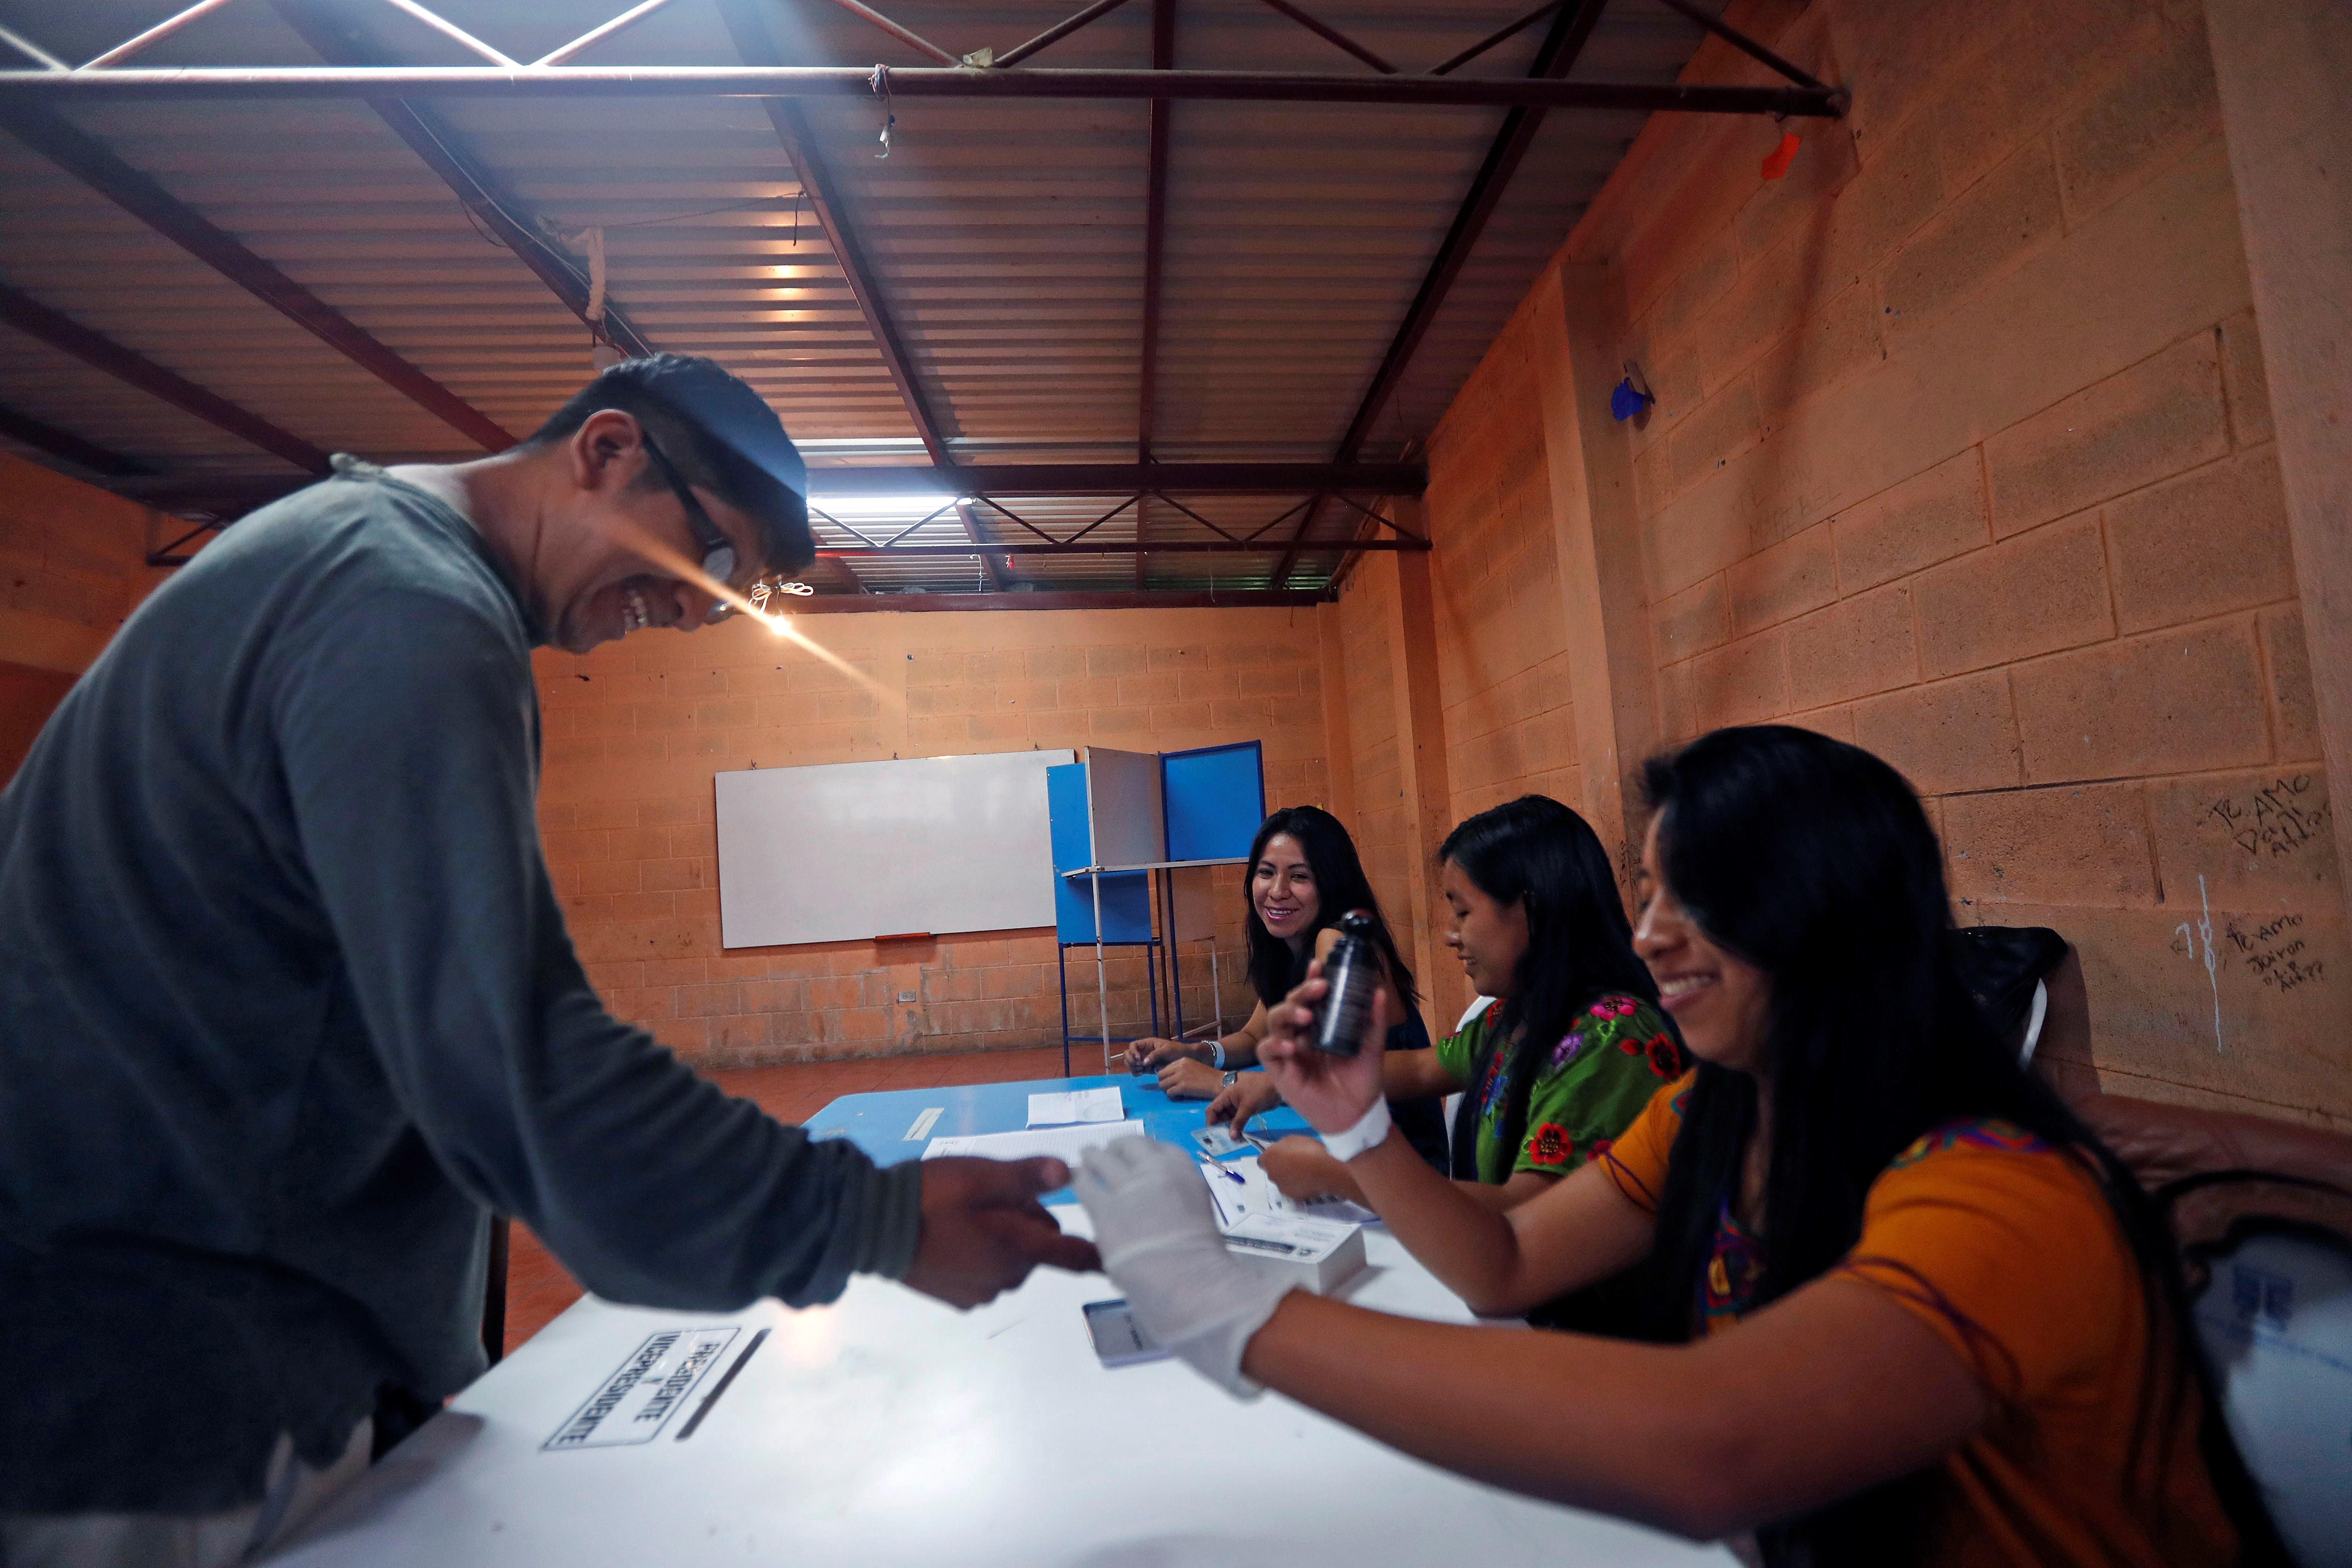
pixel 850 851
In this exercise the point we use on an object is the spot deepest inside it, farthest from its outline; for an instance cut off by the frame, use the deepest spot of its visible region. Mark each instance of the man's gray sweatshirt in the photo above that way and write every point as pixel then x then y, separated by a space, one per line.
pixel 287 1007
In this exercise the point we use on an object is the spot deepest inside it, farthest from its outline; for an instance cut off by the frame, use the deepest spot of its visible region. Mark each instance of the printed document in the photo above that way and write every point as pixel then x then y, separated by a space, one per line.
pixel 1064 1144
pixel 1077 1105
pixel 1241 1190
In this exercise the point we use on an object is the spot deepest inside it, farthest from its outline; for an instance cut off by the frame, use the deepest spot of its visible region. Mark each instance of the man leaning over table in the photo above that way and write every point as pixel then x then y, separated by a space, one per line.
pixel 287 1009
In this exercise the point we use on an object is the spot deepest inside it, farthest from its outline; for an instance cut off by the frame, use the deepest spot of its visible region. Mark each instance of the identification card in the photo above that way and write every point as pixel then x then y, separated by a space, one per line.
pixel 1119 1340
pixel 1216 1141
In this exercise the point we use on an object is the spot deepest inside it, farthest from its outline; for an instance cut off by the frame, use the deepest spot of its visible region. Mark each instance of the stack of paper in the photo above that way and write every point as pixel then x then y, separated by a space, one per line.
pixel 1241 1189
pixel 1077 1105
pixel 1064 1144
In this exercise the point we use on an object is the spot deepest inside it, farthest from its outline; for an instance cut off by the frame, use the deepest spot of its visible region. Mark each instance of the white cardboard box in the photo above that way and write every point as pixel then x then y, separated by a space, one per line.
pixel 1318 1255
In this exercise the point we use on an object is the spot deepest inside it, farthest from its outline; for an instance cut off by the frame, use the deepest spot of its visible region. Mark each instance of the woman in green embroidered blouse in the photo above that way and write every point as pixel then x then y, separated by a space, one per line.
pixel 1572 1047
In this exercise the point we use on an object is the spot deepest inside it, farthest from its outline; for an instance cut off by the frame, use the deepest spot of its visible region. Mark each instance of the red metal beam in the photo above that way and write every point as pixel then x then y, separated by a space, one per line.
pixel 1347 565
pixel 1332 36
pixel 265 82
pixel 1056 33
pixel 1155 247
pixel 1742 42
pixel 1281 578
pixel 1099 599
pixel 1124 478
pixel 65 444
pixel 839 574
pixel 1491 39
pixel 988 562
pixel 219 497
pixel 1089 547
pixel 906 35
pixel 36 320
pixel 331 34
pixel 1155 225
pixel 753 43
pixel 1563 42
pixel 98 168
pixel 237 492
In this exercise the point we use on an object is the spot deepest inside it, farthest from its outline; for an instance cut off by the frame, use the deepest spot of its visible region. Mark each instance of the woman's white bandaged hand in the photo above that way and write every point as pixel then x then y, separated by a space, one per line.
pixel 1158 1234
pixel 1144 1197
pixel 1370 1130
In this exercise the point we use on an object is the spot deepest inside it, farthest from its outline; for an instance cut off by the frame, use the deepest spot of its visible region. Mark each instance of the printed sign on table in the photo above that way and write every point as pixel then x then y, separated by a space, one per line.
pixel 645 1391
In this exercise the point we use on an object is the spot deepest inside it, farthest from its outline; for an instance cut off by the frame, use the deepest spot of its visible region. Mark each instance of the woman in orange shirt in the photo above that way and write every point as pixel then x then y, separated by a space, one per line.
pixel 1904 1307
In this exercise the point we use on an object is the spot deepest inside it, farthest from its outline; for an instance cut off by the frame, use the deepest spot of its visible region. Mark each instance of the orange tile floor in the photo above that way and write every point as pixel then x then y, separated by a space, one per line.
pixel 538 1288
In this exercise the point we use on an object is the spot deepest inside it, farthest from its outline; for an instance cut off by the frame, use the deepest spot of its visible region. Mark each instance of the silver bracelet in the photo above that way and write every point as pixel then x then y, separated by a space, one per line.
pixel 1219 1048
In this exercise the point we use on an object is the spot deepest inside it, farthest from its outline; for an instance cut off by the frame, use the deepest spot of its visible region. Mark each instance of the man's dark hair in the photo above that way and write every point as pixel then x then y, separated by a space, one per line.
pixel 700 416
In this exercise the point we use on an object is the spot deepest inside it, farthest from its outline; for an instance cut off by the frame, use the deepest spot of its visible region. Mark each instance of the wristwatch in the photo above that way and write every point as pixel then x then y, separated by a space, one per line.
pixel 1231 1076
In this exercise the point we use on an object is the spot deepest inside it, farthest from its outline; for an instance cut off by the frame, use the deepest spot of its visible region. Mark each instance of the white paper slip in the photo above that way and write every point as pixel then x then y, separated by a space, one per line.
pixel 1339 1211
pixel 1061 1109
pixel 1255 1194
pixel 921 1126
pixel 1065 1143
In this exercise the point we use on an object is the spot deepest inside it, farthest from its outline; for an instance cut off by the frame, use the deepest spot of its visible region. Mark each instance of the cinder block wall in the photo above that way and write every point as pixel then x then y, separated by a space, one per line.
pixel 73 565
pixel 1500 638
pixel 1367 643
pixel 1501 661
pixel 635 731
pixel 1962 452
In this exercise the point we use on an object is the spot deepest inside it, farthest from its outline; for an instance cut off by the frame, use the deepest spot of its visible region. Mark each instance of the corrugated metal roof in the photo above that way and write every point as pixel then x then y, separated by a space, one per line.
pixel 1007 237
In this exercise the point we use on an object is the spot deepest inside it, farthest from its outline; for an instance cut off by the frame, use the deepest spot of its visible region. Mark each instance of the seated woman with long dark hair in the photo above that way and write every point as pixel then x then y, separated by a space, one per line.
pixel 1573 1047
pixel 1905 1307
pixel 1302 875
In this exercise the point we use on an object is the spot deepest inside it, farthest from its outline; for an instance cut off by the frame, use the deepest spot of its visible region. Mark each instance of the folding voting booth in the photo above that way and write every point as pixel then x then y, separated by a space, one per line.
pixel 1126 826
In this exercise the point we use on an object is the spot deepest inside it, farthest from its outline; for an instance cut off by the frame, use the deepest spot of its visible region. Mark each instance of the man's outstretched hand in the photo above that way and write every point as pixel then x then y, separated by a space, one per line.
pixel 983 1228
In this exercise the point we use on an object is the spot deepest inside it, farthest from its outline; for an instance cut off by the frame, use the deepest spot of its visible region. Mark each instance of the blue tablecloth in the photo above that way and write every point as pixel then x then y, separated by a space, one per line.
pixel 879 1123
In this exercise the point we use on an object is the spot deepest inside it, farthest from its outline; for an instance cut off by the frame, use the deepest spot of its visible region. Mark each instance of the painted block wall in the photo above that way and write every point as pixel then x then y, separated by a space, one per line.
pixel 1500 648
pixel 635 731
pixel 1367 639
pixel 1962 452
pixel 1501 661
pixel 73 565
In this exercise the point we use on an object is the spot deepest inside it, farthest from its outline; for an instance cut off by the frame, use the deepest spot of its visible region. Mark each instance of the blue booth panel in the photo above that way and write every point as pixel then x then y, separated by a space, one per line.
pixel 1213 799
pixel 1066 811
pixel 1126 908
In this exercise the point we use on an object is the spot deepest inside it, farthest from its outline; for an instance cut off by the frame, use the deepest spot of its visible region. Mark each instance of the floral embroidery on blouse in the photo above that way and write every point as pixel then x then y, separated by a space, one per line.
pixel 1490 1094
pixel 1979 1132
pixel 1666 1057
pixel 1736 1268
pixel 1579 1094
pixel 1733 1272
pixel 1565 1052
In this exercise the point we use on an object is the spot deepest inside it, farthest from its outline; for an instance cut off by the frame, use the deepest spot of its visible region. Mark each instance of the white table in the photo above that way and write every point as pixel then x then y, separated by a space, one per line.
pixel 886 1429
